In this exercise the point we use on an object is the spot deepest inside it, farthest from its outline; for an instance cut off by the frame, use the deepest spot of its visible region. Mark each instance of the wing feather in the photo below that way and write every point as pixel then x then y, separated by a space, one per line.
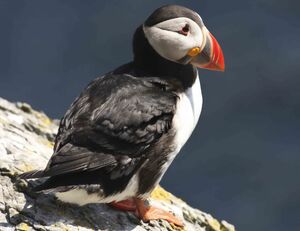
pixel 116 117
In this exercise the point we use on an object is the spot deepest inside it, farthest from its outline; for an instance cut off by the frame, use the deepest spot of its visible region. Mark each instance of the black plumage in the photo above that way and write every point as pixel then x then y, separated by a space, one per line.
pixel 120 123
pixel 172 11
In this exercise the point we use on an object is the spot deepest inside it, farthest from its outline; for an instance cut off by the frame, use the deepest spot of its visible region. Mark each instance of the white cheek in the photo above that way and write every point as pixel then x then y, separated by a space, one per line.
pixel 166 43
pixel 171 45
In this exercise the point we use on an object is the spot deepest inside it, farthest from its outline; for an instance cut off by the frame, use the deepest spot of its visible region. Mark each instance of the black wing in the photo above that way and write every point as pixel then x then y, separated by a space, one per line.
pixel 113 121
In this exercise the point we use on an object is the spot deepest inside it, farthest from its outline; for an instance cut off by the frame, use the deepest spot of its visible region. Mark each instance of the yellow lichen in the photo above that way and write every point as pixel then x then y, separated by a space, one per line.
pixel 43 118
pixel 214 224
pixel 160 194
pixel 48 143
pixel 23 227
pixel 46 121
pixel 25 167
pixel 225 226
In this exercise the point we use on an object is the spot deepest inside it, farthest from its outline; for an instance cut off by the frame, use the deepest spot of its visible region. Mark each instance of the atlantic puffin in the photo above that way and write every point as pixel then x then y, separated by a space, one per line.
pixel 121 134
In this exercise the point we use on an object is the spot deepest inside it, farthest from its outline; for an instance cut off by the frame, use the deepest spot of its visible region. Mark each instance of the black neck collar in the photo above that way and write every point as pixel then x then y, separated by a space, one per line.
pixel 148 62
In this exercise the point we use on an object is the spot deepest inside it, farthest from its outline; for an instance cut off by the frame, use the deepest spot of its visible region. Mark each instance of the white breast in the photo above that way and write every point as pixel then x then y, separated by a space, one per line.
pixel 187 113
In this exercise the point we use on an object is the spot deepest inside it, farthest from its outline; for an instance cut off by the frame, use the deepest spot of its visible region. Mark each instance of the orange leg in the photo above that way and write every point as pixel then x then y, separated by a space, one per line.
pixel 125 205
pixel 147 212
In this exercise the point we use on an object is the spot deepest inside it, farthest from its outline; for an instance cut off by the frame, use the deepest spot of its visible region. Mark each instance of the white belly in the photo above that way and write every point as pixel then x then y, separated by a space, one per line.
pixel 80 196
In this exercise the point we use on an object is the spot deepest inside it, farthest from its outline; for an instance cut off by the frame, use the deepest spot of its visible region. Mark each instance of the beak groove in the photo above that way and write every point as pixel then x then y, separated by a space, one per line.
pixel 211 57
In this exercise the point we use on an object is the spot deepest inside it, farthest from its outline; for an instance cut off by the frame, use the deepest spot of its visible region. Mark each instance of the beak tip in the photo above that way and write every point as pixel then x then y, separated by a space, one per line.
pixel 217 63
pixel 216 66
pixel 221 65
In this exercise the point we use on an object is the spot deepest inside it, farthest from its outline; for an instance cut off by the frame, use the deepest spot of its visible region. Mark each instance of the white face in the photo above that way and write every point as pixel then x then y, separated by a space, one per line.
pixel 172 39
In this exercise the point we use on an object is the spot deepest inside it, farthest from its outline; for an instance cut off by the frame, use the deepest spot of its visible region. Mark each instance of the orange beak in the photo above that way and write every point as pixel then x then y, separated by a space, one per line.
pixel 210 57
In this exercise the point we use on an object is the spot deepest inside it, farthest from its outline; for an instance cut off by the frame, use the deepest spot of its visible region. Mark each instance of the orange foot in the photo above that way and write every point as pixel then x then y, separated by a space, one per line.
pixel 147 212
pixel 125 205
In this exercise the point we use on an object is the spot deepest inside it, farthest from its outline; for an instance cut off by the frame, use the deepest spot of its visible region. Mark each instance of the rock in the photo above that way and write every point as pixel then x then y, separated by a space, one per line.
pixel 26 141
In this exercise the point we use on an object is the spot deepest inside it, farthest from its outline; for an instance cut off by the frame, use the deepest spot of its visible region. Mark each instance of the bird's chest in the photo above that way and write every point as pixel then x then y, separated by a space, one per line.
pixel 187 114
pixel 188 109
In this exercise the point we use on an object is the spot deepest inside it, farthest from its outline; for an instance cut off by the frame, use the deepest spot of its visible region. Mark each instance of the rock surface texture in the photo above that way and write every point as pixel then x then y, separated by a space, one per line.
pixel 26 141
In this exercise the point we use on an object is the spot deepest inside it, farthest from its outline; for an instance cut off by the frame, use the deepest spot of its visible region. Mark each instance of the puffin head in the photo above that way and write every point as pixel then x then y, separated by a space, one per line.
pixel 178 34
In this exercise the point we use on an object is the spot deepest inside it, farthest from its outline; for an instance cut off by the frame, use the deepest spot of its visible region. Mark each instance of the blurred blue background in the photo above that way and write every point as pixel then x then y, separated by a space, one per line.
pixel 243 162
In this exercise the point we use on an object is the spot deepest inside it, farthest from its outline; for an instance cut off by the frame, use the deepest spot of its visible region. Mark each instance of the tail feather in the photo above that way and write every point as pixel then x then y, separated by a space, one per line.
pixel 32 174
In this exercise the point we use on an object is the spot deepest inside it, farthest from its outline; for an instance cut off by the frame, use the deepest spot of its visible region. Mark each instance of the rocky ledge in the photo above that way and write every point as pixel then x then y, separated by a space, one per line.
pixel 26 141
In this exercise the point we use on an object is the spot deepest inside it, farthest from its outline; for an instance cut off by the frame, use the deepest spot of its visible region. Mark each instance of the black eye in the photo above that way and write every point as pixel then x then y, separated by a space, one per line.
pixel 185 30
